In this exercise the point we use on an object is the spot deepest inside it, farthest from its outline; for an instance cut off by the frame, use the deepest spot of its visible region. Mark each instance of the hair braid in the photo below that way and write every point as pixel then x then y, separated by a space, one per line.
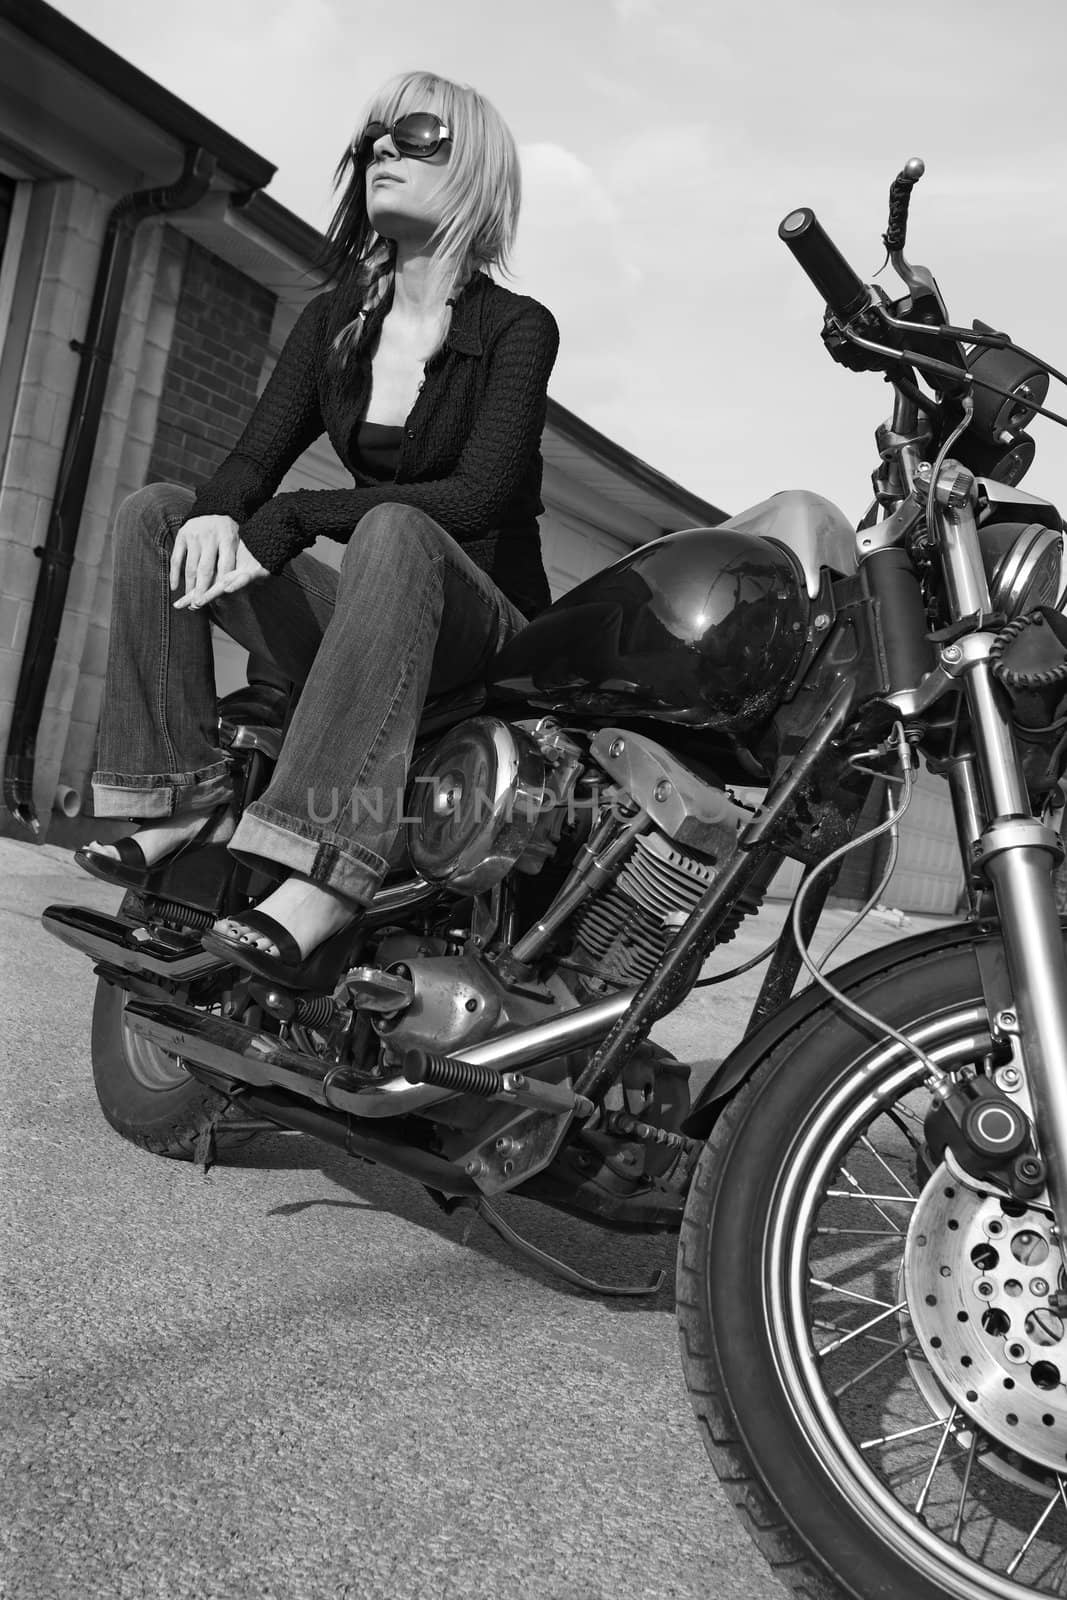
pixel 373 282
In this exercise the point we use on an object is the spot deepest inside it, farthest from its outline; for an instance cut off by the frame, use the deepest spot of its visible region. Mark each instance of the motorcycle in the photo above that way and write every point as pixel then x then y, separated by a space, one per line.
pixel 871 1191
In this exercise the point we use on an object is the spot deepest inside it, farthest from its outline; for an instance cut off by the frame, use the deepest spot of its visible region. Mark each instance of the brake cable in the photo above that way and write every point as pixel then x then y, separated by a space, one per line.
pixel 926 363
pixel 937 1079
pixel 990 341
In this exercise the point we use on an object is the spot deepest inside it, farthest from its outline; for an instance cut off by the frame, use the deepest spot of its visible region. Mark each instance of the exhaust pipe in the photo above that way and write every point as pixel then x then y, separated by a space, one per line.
pixel 235 1051
pixel 336 1128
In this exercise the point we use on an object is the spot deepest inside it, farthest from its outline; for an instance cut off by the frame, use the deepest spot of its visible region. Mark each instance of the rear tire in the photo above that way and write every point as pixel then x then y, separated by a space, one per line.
pixel 144 1093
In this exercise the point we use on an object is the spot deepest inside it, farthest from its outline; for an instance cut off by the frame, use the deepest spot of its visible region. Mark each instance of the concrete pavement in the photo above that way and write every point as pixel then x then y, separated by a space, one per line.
pixel 295 1378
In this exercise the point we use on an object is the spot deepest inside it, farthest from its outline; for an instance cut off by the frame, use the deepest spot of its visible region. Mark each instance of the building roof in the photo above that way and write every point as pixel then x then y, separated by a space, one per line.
pixel 69 63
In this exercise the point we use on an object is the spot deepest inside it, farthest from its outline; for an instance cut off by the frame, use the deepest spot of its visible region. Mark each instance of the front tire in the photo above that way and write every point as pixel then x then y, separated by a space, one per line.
pixel 858 1467
pixel 145 1094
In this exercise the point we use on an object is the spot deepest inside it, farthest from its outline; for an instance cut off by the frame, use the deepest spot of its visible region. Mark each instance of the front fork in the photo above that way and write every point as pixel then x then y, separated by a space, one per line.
pixel 1016 852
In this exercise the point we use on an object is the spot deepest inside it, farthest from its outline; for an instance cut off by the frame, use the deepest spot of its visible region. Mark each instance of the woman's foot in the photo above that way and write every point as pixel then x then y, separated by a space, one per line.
pixel 163 838
pixel 309 913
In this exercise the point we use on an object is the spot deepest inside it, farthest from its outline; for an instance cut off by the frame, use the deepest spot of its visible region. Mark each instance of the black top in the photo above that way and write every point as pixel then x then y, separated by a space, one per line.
pixel 378 449
pixel 469 454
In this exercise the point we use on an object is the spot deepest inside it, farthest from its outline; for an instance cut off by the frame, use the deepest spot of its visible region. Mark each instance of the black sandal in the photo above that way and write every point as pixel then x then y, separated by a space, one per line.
pixel 132 871
pixel 289 969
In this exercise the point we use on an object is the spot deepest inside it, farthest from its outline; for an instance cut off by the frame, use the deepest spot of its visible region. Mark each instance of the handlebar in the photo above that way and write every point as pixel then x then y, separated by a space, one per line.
pixel 843 291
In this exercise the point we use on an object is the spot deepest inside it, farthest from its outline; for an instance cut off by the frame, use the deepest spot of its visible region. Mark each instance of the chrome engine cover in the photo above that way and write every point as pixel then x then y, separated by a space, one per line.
pixel 473 803
pixel 456 1002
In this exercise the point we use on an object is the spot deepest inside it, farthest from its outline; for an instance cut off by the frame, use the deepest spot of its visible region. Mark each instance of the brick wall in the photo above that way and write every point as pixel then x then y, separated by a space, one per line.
pixel 221 331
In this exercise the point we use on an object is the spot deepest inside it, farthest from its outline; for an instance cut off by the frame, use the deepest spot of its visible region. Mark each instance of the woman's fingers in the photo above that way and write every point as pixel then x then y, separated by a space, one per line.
pixel 205 548
pixel 177 558
pixel 206 569
pixel 243 570
pixel 228 585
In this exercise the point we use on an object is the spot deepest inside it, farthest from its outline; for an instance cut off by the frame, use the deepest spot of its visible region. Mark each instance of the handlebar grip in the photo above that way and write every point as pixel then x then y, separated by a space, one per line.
pixel 899 199
pixel 823 262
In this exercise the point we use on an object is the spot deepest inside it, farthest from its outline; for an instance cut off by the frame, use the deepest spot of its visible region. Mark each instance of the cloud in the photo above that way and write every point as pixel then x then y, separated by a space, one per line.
pixel 672 155
pixel 635 10
pixel 556 180
pixel 573 231
pixel 301 27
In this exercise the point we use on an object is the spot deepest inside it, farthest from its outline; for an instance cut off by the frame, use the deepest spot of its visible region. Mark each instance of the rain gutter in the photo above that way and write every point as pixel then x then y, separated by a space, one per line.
pixel 57 553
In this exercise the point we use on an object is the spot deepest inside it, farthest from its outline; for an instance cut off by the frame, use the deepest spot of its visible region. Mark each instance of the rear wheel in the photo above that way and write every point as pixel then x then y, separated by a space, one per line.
pixel 868 1343
pixel 144 1093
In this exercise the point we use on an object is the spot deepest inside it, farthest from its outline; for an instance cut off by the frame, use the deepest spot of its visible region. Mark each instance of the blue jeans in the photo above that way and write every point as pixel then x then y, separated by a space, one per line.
pixel 407 616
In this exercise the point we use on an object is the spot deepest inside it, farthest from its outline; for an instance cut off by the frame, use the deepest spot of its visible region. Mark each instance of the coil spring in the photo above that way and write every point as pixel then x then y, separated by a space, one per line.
pixel 174 911
pixel 314 1013
pixel 465 1077
pixel 621 1122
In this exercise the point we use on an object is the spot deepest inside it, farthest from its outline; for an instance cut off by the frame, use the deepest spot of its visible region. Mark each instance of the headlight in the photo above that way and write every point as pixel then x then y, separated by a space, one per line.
pixel 1023 563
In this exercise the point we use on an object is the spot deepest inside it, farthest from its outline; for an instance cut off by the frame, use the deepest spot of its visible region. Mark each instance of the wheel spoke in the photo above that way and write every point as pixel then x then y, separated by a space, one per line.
pixel 857 1192
pixel 900 1116
pixel 908 1475
pixel 855 1332
pixel 957 1526
pixel 941 1443
pixel 863 1233
pixel 880 1361
pixel 824 1325
pixel 849 1294
pixel 861 1194
pixel 901 1433
pixel 867 1145
pixel 904 1114
pixel 1054 1500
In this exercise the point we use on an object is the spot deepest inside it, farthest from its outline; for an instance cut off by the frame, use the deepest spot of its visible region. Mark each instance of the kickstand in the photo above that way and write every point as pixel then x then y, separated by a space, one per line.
pixel 204 1149
pixel 570 1274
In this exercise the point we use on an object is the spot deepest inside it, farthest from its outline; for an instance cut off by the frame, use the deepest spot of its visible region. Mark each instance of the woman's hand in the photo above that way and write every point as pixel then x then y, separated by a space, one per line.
pixel 209 554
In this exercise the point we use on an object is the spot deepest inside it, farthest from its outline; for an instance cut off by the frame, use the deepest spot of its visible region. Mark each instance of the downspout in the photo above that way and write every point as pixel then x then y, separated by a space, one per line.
pixel 57 553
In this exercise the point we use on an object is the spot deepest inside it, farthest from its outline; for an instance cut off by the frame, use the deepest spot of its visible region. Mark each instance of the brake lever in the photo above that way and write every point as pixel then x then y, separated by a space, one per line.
pixel 919 280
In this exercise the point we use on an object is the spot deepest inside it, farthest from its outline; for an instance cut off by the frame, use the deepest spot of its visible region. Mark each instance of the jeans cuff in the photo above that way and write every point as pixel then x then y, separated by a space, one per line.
pixel 265 834
pixel 139 794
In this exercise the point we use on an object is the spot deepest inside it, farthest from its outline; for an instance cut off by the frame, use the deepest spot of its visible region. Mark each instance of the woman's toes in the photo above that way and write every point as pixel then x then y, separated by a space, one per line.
pixel 234 928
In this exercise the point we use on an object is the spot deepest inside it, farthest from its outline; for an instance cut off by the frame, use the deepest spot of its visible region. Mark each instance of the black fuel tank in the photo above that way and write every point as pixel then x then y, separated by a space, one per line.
pixel 704 627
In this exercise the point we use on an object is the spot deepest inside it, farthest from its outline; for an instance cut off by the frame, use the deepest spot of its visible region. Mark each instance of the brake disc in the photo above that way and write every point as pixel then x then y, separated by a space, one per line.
pixel 978 1279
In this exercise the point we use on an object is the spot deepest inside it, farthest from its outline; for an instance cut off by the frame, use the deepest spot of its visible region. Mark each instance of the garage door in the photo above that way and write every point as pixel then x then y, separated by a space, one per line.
pixel 574 549
pixel 928 877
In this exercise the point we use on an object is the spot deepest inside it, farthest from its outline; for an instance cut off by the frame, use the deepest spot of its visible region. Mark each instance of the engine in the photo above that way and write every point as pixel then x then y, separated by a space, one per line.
pixel 493 796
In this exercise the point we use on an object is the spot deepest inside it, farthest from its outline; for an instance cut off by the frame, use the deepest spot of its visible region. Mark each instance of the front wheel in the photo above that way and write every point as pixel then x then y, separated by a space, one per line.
pixel 868 1343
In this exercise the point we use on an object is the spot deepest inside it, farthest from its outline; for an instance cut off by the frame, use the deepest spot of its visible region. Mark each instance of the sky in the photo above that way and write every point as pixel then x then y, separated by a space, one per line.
pixel 662 142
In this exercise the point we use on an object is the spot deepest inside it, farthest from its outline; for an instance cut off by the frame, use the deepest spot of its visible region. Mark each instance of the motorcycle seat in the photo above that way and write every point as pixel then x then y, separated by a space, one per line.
pixel 443 710
pixel 260 706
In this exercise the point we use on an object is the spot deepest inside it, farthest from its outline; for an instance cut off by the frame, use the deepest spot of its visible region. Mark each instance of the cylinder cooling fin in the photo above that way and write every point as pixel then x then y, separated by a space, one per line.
pixel 623 931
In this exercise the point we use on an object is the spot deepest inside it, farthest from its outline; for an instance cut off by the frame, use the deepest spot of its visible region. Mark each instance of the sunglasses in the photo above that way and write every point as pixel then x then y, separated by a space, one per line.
pixel 417 133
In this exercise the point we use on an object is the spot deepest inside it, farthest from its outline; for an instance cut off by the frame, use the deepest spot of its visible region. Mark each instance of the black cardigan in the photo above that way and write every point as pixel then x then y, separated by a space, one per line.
pixel 470 454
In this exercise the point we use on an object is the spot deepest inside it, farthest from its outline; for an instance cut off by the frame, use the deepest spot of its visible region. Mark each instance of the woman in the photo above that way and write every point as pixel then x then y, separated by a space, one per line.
pixel 430 380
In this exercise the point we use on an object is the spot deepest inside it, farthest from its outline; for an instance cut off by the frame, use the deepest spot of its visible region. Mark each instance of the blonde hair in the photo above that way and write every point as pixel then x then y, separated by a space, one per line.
pixel 480 196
